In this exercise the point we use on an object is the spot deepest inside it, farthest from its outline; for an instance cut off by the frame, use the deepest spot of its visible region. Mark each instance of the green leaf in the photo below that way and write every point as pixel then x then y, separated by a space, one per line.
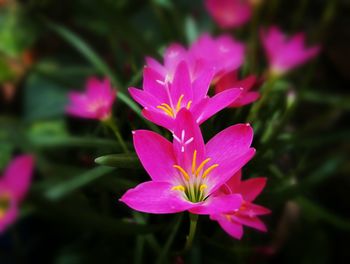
pixel 191 30
pixel 337 101
pixel 76 182
pixel 119 161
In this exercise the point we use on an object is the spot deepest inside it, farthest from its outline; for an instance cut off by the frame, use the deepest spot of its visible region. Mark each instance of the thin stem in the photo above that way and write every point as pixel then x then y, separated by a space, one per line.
pixel 109 122
pixel 265 93
pixel 193 227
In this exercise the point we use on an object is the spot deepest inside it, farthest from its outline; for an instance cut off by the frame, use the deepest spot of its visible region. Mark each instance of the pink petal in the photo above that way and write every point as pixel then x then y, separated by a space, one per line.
pixel 155 198
pixel 230 149
pixel 253 210
pixel 187 139
pixel 10 217
pixel 159 118
pixel 173 55
pixel 156 154
pixel 253 222
pixel 215 104
pixel 201 84
pixel 181 84
pixel 145 98
pixel 18 175
pixel 218 204
pixel 246 98
pixel 251 188
pixel 156 66
pixel 231 227
pixel 152 83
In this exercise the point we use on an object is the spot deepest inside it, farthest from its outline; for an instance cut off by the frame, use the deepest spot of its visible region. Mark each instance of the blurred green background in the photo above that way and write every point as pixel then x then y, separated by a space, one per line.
pixel 72 214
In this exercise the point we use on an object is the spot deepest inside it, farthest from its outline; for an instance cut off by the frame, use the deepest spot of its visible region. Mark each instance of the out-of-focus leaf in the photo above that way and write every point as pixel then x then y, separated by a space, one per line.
pixel 43 98
pixel 16 32
pixel 94 59
pixel 314 211
pixel 67 142
pixel 191 30
pixel 119 161
pixel 76 182
pixel 338 101
pixel 164 3
pixel 5 71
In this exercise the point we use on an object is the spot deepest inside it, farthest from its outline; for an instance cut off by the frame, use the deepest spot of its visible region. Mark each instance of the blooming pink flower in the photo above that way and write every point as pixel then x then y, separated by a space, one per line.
pixel 162 100
pixel 232 222
pixel 13 187
pixel 231 80
pixel 222 54
pixel 95 103
pixel 284 53
pixel 229 13
pixel 186 173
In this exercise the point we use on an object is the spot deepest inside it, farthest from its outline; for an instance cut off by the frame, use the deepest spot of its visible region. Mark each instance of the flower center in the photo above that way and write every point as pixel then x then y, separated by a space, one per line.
pixel 4 204
pixel 171 110
pixel 194 182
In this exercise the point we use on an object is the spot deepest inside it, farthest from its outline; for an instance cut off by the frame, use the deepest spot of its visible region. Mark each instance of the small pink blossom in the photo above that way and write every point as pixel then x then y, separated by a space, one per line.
pixel 186 172
pixel 221 54
pixel 14 185
pixel 231 80
pixel 232 222
pixel 229 13
pixel 162 100
pixel 284 53
pixel 95 103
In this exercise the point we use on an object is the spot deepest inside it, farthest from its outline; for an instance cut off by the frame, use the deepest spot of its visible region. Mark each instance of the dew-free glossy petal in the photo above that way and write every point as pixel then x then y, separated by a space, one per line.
pixel 218 204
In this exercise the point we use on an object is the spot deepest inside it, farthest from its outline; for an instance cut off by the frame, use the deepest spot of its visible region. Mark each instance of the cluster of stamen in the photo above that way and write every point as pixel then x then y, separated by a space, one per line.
pixel 172 111
pixel 194 182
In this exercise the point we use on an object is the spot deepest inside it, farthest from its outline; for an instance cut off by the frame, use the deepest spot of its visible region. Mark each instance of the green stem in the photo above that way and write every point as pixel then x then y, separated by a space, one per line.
pixel 109 122
pixel 193 227
pixel 265 93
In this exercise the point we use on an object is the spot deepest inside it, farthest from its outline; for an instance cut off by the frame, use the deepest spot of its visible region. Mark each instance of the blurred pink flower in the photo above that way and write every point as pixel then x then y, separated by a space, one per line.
pixel 231 80
pixel 232 222
pixel 284 53
pixel 14 185
pixel 229 13
pixel 221 54
pixel 187 172
pixel 162 100
pixel 95 103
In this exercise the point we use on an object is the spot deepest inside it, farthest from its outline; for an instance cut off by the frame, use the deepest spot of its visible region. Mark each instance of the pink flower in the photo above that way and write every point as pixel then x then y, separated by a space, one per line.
pixel 284 53
pixel 186 173
pixel 13 187
pixel 95 103
pixel 229 13
pixel 231 80
pixel 232 222
pixel 162 100
pixel 222 54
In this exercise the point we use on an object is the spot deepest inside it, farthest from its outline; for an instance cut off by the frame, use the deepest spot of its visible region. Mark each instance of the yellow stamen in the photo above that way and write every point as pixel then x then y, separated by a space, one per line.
pixel 184 173
pixel 194 161
pixel 203 187
pixel 202 165
pixel 178 188
pixel 167 106
pixel 166 110
pixel 189 104
pixel 207 171
pixel 179 102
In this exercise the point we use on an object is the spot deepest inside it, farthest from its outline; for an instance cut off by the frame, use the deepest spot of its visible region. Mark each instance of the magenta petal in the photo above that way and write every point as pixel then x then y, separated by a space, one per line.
pixel 156 154
pixel 253 210
pixel 253 222
pixel 201 84
pixel 155 65
pixel 144 98
pixel 158 118
pixel 9 217
pixel 187 139
pixel 155 198
pixel 245 99
pixel 181 84
pixel 216 103
pixel 231 227
pixel 251 188
pixel 18 175
pixel 153 84
pixel 218 204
